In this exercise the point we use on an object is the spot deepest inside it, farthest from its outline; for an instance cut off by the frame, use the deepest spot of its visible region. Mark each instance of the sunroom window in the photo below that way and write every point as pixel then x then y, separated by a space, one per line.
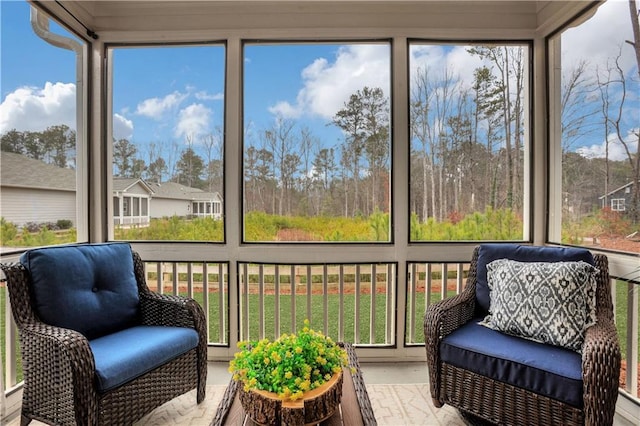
pixel 317 142
pixel 594 134
pixel 470 146
pixel 167 139
pixel 42 131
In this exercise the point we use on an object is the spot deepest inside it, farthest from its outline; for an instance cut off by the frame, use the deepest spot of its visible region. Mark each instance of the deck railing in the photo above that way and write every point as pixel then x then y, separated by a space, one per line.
pixel 349 302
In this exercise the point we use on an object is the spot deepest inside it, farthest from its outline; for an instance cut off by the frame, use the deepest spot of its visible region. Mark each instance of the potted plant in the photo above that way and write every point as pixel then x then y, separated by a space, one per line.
pixel 295 379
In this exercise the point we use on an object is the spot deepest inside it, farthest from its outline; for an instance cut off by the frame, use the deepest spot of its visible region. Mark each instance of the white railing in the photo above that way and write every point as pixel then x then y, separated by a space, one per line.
pixel 205 282
pixel 349 302
pixel 428 283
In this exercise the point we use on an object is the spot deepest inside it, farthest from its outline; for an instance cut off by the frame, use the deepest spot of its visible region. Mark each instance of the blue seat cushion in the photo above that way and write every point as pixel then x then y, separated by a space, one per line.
pixel 547 370
pixel 490 252
pixel 127 354
pixel 89 288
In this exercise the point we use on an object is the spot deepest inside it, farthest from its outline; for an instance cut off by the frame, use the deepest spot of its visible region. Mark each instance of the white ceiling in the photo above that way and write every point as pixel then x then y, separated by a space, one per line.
pixel 164 15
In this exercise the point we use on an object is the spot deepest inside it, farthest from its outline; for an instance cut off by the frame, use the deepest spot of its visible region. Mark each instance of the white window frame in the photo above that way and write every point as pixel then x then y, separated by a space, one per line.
pixel 618 204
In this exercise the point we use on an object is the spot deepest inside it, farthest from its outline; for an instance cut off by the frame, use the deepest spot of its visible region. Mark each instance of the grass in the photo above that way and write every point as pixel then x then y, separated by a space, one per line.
pixel 351 321
pixel 3 316
pixel 622 296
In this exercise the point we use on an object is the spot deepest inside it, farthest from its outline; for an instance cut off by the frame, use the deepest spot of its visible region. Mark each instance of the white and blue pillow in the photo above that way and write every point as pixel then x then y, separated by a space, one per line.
pixel 548 302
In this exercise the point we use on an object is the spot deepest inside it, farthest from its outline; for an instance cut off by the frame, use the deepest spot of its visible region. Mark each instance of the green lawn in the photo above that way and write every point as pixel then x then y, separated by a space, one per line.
pixel 622 295
pixel 317 316
pixel 3 296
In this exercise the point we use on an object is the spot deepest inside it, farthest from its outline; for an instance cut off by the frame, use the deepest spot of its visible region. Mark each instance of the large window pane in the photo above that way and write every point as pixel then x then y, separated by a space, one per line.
pixel 317 149
pixel 469 141
pixel 40 135
pixel 596 134
pixel 168 113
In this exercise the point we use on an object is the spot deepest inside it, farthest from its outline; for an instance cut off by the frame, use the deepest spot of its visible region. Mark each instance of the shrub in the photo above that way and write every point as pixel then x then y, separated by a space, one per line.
pixel 32 227
pixel 8 231
pixel 64 224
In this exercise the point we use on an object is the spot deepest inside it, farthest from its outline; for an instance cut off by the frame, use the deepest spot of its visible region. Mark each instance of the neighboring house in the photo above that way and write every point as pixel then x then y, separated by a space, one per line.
pixel 619 200
pixel 131 198
pixel 34 191
pixel 174 199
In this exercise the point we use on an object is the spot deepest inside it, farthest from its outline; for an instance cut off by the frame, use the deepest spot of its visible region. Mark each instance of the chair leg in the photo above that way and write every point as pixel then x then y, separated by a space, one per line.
pixel 24 420
pixel 201 394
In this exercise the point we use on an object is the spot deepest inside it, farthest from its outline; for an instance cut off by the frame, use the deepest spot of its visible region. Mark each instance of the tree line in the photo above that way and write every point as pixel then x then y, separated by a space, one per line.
pixel 288 171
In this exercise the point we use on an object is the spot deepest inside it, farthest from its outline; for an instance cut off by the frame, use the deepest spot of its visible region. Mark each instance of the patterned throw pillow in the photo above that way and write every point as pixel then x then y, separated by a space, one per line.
pixel 549 302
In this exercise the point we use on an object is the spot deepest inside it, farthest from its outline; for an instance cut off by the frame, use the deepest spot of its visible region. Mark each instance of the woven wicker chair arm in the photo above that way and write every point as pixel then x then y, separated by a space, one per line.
pixel 171 310
pixel 600 370
pixel 63 338
pixel 441 319
pixel 447 315
pixel 62 357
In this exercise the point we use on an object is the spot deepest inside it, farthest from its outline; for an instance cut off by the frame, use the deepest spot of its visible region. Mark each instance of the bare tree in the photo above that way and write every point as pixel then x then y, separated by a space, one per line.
pixel 214 151
pixel 634 12
pixel 612 83
pixel 578 112
pixel 308 144
pixel 421 130
pixel 510 67
pixel 352 122
pixel 280 141
pixel 377 143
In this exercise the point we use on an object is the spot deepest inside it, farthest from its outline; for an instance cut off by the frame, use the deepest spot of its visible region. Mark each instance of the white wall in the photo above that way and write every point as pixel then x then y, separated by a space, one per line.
pixel 22 205
pixel 161 207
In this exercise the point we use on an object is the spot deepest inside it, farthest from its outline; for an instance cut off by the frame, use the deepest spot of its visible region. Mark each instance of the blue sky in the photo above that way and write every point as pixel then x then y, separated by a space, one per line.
pixel 168 95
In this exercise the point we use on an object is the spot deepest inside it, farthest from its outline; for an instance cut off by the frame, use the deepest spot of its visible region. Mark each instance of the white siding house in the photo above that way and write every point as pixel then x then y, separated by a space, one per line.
pixel 34 191
pixel 174 199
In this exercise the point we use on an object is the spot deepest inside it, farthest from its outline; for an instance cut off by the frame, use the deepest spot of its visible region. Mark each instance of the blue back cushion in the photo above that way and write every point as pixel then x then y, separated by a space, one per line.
pixel 88 288
pixel 490 252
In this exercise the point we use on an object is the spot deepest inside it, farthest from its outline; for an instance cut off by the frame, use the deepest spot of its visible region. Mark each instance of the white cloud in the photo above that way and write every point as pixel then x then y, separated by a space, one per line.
pixel 601 37
pixel 204 96
pixel 34 109
pixel 328 85
pixel 454 60
pixel 155 107
pixel 122 127
pixel 193 120
pixel 285 110
pixel 617 151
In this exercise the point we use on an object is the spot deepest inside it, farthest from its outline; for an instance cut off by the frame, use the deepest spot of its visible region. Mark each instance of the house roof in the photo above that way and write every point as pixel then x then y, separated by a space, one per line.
pixel 175 190
pixel 18 170
pixel 616 190
pixel 123 184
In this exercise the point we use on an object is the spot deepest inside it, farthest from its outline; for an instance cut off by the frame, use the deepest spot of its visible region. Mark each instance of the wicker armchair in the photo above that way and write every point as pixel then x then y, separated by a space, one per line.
pixel 67 376
pixel 480 391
